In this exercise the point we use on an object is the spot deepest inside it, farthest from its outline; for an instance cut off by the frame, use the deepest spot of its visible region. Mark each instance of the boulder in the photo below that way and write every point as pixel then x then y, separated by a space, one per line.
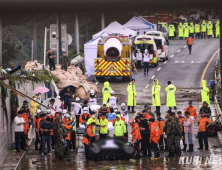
pixel 81 93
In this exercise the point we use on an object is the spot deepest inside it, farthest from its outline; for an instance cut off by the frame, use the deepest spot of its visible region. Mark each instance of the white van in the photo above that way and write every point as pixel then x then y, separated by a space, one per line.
pixel 161 44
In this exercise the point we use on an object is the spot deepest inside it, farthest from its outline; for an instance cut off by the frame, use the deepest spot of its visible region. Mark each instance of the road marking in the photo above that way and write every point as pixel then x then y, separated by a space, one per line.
pixel 152 77
pixel 185 46
pixel 147 86
pixel 205 70
pixel 176 61
pixel 165 62
pixel 178 51
pixel 172 56
pixel 97 83
pixel 182 61
pixel 192 61
pixel 159 69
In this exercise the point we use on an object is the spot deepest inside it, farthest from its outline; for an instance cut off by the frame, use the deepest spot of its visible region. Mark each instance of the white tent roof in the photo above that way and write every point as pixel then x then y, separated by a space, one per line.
pixel 140 18
pixel 135 23
pixel 115 27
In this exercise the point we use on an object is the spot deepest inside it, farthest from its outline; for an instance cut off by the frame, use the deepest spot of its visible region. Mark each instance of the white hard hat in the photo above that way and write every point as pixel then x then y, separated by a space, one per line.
pixel 67 115
pixel 104 102
pixel 58 97
pixel 85 109
pixel 115 107
pixel 38 111
pixel 146 50
pixel 92 92
pixel 48 111
pixel 64 111
pixel 112 92
pixel 77 99
pixel 123 104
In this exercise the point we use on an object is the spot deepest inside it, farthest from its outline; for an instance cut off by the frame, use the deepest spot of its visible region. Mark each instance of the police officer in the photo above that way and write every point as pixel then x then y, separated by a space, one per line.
pixel 217 29
pixel 64 61
pixel 106 92
pixel 156 95
pixel 171 101
pixel 171 31
pixel 180 30
pixel 197 31
pixel 186 30
pixel 209 29
pixel 191 29
pixel 119 127
pixel 205 93
pixel 203 28
pixel 131 89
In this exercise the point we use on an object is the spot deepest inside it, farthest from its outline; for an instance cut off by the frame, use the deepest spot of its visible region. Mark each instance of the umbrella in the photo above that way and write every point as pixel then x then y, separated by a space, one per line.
pixel 40 90
pixel 46 102
pixel 64 90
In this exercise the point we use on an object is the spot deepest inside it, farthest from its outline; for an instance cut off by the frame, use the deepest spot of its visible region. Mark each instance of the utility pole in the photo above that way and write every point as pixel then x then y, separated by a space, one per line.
pixel 34 47
pixel 77 32
pixel 59 37
pixel 0 40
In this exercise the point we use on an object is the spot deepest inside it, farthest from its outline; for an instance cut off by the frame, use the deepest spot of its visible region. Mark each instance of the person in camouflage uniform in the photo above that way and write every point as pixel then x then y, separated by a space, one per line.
pixel 60 137
pixel 169 135
pixel 177 135
pixel 64 61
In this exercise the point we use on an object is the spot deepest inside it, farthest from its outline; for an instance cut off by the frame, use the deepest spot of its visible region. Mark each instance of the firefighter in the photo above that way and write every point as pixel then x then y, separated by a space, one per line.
pixel 35 121
pixel 87 138
pixel 180 31
pixel 191 30
pixel 160 122
pixel 164 26
pixel 186 30
pixel 209 29
pixel 171 31
pixel 205 109
pixel 119 128
pixel 131 89
pixel 205 93
pixel 106 92
pixel 189 131
pixel 146 115
pixel 68 128
pixel 154 137
pixel 85 116
pixel 104 109
pixel 156 95
pixel 202 132
pixel 103 127
pixel 92 98
pixel 197 31
pixel 136 136
pixel 181 120
pixel 171 101
pixel 190 43
pixel 112 101
pixel 203 28
pixel 217 29
pixel 139 57
pixel 191 109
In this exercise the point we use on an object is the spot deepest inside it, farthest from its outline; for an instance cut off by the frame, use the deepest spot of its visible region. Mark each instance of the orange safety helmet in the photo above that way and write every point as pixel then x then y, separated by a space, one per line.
pixel 218 78
pixel 131 121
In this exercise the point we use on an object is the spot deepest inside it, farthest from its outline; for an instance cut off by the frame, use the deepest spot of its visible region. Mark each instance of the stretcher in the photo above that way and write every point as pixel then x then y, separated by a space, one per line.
pixel 79 135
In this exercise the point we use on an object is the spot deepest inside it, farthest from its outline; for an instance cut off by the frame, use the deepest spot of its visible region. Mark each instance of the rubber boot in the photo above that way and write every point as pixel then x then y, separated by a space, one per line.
pixel 156 155
pixel 190 148
pixel 185 148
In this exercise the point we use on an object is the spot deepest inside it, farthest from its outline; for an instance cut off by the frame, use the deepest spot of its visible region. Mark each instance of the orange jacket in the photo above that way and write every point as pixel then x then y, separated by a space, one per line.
pixel 38 124
pixel 202 123
pixel 147 116
pixel 90 133
pixel 135 131
pixel 26 126
pixel 192 110
pixel 190 41
pixel 160 122
pixel 181 119
pixel 83 117
pixel 108 110
pixel 122 118
pixel 154 132
pixel 68 127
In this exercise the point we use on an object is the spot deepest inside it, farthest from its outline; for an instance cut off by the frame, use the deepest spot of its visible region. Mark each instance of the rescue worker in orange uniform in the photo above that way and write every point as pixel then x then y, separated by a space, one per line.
pixel 85 116
pixel 87 138
pixel 136 136
pixel 191 109
pixel 190 43
pixel 25 116
pixel 154 137
pixel 181 120
pixel 35 121
pixel 146 115
pixel 68 127
pixel 160 122
pixel 122 118
pixel 202 132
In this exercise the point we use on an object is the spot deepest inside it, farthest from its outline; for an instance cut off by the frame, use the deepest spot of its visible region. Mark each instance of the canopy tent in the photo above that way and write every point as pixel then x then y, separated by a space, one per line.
pixel 115 27
pixel 153 26
pixel 90 51
pixel 138 25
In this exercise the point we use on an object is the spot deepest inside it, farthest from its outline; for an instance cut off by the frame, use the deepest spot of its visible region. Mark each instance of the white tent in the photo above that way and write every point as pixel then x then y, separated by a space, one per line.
pixel 115 27
pixel 90 52
pixel 139 26
pixel 153 26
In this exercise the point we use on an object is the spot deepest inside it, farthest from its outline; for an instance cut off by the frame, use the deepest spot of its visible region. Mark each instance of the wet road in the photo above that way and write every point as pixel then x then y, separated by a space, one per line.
pixel 183 70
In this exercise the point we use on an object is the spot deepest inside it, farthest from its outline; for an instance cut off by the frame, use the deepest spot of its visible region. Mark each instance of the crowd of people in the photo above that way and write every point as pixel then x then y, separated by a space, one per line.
pixel 57 126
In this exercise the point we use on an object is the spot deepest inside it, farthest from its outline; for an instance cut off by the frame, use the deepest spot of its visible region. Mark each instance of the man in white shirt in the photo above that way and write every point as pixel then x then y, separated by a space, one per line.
pixel 139 58
pixel 52 106
pixel 19 131
pixel 146 59
pixel 112 101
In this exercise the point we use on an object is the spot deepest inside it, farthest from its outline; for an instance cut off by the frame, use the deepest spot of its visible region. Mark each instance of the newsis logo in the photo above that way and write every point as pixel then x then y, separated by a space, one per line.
pixel 201 160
